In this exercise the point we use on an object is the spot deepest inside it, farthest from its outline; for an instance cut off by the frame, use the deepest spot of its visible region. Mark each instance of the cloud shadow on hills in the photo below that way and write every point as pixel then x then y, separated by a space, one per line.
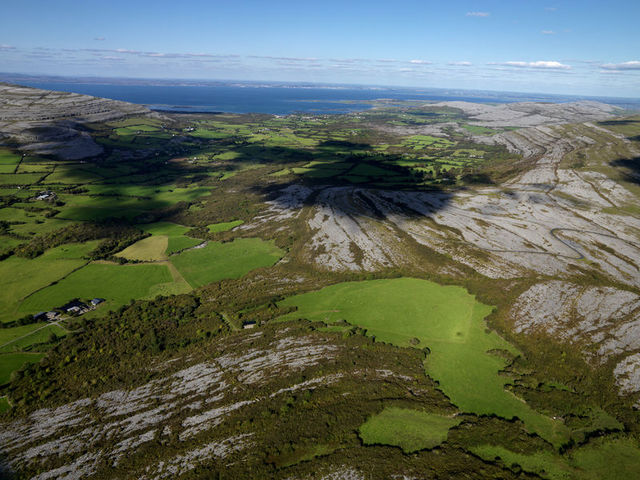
pixel 336 169
pixel 630 168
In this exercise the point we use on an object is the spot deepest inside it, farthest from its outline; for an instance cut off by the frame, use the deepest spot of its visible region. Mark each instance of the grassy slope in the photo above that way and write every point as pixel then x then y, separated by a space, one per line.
pixel 177 241
pixel 218 261
pixel 449 321
pixel 20 277
pixel 40 336
pixel 224 226
pixel 116 283
pixel 613 459
pixel 411 430
pixel 148 249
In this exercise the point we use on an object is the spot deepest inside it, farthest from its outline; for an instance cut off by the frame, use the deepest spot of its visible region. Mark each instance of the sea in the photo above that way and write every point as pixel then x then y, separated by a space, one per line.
pixel 279 99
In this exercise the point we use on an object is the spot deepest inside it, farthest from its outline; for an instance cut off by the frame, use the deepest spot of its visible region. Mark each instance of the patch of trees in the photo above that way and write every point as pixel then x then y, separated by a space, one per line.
pixel 117 238
pixel 113 352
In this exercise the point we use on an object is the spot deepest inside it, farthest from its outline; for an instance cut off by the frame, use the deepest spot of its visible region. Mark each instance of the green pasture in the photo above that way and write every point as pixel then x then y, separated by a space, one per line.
pixel 410 430
pixel 73 174
pixel 41 168
pixel 449 321
pixel 418 142
pixel 11 214
pixel 39 225
pixel 224 226
pixel 478 130
pixel 601 458
pixel 7 157
pixel 38 336
pixel 176 239
pixel 11 334
pixel 8 242
pixel 13 361
pixel 20 277
pixel 20 178
pixel 147 250
pixel 118 284
pixel 177 244
pixel 217 261
pixel 126 201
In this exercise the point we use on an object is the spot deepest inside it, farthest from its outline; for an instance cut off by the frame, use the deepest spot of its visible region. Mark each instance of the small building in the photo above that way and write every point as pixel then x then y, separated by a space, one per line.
pixel 52 315
pixel 249 324
pixel 97 301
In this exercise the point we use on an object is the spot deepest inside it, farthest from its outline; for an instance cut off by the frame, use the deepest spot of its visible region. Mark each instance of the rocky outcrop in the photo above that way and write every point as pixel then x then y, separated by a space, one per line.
pixel 50 123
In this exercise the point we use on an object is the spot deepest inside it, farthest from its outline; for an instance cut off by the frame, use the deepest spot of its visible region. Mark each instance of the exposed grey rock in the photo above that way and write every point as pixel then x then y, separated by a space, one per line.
pixel 531 114
pixel 603 320
pixel 50 123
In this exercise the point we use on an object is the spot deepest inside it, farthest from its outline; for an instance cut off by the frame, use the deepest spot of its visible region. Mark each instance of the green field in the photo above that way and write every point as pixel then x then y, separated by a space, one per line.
pixel 116 283
pixel 412 312
pixel 11 334
pixel 13 361
pixel 42 335
pixel 147 250
pixel 20 277
pixel 611 459
pixel 176 239
pixel 217 261
pixel 410 430
pixel 224 226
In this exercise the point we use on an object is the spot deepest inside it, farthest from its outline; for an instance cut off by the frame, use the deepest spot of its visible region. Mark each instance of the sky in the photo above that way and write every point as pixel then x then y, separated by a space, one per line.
pixel 565 47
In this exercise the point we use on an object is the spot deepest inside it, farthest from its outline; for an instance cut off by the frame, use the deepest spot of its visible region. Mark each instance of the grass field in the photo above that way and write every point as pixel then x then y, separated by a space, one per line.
pixel 116 283
pixel 176 239
pixel 611 459
pixel 13 361
pixel 42 335
pixel 217 261
pixel 224 226
pixel 147 250
pixel 446 319
pixel 20 277
pixel 10 334
pixel 411 430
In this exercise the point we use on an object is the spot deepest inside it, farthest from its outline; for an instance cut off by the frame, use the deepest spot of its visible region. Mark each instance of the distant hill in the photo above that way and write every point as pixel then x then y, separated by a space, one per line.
pixel 49 123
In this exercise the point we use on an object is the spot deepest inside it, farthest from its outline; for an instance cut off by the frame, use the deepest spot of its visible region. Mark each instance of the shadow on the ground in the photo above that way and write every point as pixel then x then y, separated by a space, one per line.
pixel 630 168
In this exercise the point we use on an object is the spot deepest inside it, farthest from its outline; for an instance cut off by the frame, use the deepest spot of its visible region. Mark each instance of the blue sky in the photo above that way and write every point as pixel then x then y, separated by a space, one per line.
pixel 570 47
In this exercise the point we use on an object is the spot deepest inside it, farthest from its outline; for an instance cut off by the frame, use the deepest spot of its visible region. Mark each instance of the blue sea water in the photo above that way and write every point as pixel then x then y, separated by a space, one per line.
pixel 277 100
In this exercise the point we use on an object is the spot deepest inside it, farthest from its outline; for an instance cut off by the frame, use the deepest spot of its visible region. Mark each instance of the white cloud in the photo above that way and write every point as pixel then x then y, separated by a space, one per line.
pixel 420 62
pixel 461 64
pixel 478 14
pixel 631 65
pixel 542 64
pixel 551 9
pixel 125 50
pixel 99 39
pixel 4 46
pixel 548 32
